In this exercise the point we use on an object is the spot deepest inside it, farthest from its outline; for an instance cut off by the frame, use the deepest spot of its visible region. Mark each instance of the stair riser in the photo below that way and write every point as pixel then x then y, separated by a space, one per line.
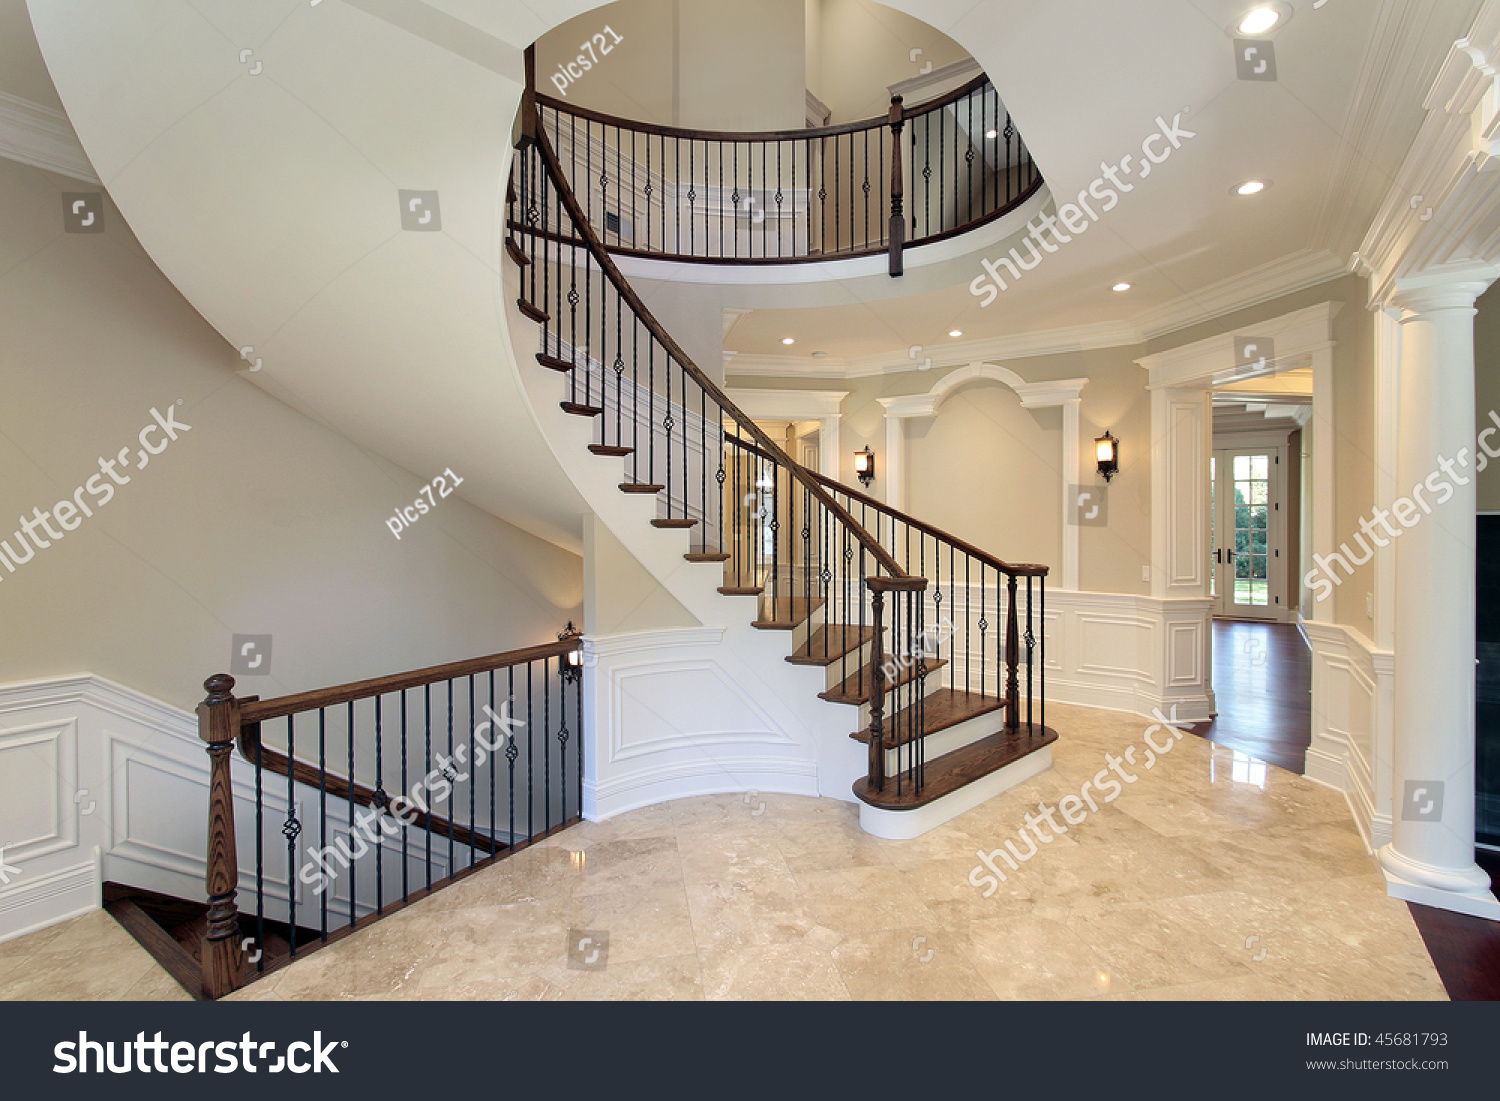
pixel 946 741
pixel 936 679
pixel 903 825
pixel 845 667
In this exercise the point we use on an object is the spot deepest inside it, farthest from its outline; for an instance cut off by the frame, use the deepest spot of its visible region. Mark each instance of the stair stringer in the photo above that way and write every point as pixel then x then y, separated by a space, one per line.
pixel 811 753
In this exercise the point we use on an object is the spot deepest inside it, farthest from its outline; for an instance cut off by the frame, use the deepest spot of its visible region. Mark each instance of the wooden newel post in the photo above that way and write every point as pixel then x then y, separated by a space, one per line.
pixel 528 96
pixel 218 726
pixel 1012 660
pixel 898 189
pixel 877 695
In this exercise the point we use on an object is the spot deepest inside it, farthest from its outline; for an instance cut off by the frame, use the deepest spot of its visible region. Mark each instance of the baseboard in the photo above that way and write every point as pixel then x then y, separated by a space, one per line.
pixel 37 901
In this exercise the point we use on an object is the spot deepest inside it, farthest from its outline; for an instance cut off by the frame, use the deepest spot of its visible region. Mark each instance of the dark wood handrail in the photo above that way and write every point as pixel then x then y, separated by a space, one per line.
pixel 606 263
pixel 812 132
pixel 260 711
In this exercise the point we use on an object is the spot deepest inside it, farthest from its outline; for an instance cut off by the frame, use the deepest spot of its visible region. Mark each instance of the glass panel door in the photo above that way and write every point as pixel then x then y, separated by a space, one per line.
pixel 1248 567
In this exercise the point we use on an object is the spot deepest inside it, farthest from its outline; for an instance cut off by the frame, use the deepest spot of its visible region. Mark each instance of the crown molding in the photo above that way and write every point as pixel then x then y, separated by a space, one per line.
pixel 1295 272
pixel 930 85
pixel 1297 337
pixel 787 405
pixel 1444 205
pixel 42 137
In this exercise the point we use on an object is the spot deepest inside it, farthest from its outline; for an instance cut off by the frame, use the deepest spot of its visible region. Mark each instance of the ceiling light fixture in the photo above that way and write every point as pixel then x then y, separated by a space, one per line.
pixel 1259 20
pixel 992 134
pixel 1121 287
pixel 1251 187
pixel 788 340
pixel 955 332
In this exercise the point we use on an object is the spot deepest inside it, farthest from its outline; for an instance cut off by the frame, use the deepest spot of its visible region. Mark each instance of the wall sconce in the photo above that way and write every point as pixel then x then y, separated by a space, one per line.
pixel 1107 448
pixel 570 668
pixel 864 465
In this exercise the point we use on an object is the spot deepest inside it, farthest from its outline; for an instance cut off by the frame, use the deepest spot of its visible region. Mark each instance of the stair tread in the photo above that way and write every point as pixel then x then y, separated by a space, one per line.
pixel 952 771
pixel 553 362
pixel 515 253
pixel 742 590
pixel 541 317
pixel 790 612
pixel 673 522
pixel 611 449
pixel 827 644
pixel 944 708
pixel 640 487
pixel 852 691
pixel 580 410
pixel 707 556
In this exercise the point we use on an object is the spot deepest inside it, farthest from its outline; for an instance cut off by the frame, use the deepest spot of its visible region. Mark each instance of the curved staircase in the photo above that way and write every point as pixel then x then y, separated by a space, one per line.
pixel 930 691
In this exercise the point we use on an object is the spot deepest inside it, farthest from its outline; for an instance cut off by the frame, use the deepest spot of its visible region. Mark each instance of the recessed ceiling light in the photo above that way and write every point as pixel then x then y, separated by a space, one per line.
pixel 1251 187
pixel 1259 20
pixel 788 340
pixel 955 332
pixel 992 134
pixel 1121 287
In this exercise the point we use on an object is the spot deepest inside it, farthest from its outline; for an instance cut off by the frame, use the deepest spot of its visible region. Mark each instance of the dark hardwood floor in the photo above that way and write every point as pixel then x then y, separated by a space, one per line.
pixel 1263 686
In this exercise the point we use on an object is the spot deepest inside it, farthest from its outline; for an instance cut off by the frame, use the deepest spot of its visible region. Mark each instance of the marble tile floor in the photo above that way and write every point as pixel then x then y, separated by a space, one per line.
pixel 1207 878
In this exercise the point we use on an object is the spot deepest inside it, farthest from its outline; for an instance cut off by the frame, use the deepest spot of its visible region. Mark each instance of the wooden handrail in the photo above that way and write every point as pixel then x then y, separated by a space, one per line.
pixel 259 711
pixel 810 133
pixel 606 263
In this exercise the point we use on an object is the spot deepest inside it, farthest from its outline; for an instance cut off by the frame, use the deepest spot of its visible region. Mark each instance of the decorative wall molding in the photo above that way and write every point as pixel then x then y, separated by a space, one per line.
pixel 1353 685
pixel 924 86
pixel 799 405
pixel 43 138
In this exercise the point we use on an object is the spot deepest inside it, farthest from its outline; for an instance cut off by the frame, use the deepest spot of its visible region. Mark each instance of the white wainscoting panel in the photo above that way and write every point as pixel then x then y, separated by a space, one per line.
pixel 1352 686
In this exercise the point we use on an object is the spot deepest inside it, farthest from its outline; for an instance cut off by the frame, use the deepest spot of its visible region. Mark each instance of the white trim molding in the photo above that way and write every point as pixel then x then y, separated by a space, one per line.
pixel 1353 685
pixel 799 405
pixel 43 138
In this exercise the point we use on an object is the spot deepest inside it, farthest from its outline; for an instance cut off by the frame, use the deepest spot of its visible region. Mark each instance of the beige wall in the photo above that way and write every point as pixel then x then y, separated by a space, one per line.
pixel 620 595
pixel 866 47
pixel 258 520
pixel 705 64
pixel 987 470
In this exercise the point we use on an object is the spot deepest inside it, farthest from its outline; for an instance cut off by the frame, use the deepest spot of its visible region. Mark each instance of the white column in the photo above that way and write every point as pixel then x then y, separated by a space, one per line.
pixel 1431 859
pixel 895 460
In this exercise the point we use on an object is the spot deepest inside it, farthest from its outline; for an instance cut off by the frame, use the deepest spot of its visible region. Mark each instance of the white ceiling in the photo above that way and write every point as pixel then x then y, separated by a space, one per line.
pixel 269 200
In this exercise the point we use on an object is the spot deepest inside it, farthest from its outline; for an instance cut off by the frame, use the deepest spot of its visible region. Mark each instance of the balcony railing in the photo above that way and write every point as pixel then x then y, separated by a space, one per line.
pixel 858 189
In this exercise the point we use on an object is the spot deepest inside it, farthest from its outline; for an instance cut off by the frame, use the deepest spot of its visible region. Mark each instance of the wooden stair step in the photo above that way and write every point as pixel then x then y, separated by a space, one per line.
pixel 673 522
pixel 580 410
pixel 513 250
pixel 708 556
pixel 640 487
pixel 541 317
pixel 742 590
pixel 856 690
pixel 944 708
pixel 611 449
pixel 553 363
pixel 952 771
pixel 827 644
pixel 789 612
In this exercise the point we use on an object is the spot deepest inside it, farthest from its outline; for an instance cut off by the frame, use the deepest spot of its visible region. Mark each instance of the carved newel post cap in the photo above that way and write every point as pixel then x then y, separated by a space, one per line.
pixel 220 688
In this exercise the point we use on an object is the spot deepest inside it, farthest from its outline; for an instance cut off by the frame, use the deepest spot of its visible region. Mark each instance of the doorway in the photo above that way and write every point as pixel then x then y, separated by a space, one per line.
pixel 1247 522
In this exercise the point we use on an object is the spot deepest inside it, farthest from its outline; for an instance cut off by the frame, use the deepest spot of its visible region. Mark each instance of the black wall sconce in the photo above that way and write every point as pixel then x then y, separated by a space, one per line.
pixel 1107 448
pixel 864 465
pixel 570 668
